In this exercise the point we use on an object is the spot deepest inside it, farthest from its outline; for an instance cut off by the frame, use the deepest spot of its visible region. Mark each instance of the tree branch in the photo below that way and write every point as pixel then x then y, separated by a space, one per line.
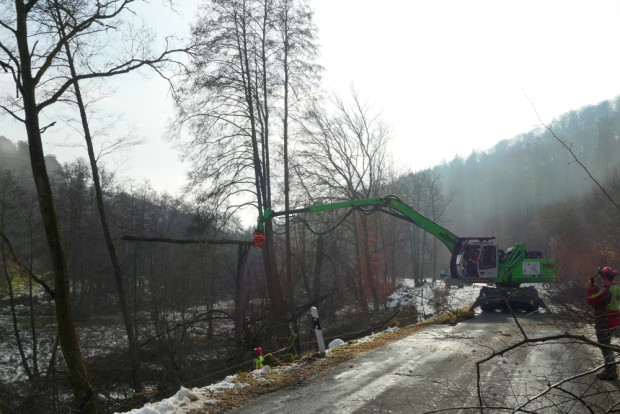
pixel 556 385
pixel 187 241
pixel 124 68
pixel 570 150
pixel 22 266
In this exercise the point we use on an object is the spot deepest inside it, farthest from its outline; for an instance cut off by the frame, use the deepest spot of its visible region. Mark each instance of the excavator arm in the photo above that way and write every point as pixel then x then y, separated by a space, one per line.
pixel 391 205
pixel 473 259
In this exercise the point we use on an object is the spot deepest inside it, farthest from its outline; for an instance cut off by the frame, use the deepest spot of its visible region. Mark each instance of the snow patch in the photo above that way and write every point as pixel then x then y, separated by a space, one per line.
pixel 260 372
pixel 335 343
pixel 170 405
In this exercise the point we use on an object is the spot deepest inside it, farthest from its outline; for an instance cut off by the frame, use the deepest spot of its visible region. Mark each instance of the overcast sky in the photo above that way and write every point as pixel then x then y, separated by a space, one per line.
pixel 449 76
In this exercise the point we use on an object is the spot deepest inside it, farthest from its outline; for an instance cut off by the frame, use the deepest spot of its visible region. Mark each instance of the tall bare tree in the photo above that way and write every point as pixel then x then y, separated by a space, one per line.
pixel 345 159
pixel 246 69
pixel 225 101
pixel 299 77
pixel 64 20
pixel 31 53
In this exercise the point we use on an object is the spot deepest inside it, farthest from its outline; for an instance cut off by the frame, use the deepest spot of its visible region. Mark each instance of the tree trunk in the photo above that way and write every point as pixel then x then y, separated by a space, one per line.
pixel 240 298
pixel 318 266
pixel 276 297
pixel 118 277
pixel 287 205
pixel 370 277
pixel 76 369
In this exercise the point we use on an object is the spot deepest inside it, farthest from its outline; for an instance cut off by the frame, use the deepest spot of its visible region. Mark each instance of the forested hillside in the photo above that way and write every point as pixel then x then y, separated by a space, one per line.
pixel 134 209
pixel 160 278
pixel 531 189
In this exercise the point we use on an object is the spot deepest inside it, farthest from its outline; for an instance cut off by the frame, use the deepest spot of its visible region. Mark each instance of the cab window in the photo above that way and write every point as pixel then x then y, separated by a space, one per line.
pixel 488 258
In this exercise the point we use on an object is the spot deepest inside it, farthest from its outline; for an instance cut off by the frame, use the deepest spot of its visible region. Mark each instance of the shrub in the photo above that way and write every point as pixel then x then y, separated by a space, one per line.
pixel 271 360
pixel 287 358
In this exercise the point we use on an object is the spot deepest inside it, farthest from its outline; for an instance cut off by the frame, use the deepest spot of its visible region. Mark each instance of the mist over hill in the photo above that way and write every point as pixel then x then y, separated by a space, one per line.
pixel 533 170
pixel 15 157
pixel 515 177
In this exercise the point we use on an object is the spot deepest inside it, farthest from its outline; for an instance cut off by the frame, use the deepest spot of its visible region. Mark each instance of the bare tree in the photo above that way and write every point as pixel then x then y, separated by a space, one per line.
pixel 64 19
pixel 437 204
pixel 246 70
pixel 346 147
pixel 225 103
pixel 31 55
pixel 299 76
pixel 345 159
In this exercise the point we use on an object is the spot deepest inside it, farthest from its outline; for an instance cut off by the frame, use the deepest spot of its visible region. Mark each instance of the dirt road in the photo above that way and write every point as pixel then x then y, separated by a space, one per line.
pixel 435 370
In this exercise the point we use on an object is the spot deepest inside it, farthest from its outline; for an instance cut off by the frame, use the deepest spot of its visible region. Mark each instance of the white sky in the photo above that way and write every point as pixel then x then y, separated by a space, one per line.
pixel 448 76
pixel 454 76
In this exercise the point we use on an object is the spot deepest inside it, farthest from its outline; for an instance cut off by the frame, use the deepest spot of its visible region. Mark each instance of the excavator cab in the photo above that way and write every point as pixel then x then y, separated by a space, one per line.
pixel 476 260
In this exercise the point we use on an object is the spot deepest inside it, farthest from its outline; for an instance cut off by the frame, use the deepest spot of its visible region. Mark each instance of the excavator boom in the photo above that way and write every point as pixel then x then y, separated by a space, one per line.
pixel 391 205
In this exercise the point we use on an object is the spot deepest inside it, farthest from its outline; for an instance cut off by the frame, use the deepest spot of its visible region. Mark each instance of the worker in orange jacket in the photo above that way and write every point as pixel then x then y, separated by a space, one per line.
pixel 606 304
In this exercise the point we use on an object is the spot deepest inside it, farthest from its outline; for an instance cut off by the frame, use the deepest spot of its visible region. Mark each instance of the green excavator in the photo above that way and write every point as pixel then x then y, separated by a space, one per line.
pixel 473 259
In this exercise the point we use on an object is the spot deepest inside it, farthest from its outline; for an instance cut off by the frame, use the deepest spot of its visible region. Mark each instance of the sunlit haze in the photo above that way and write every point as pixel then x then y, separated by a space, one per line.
pixel 449 77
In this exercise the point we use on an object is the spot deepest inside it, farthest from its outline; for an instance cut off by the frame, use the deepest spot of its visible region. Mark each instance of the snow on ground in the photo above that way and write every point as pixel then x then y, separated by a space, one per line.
pixel 422 297
pixel 405 294
pixel 94 340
